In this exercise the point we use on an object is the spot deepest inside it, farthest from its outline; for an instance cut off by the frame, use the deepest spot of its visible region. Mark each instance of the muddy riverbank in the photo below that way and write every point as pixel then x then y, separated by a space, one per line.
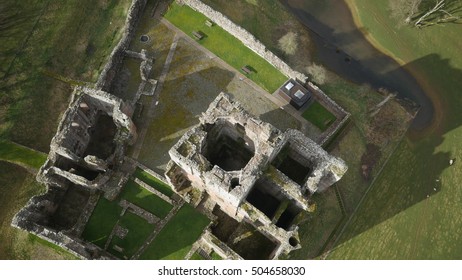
pixel 342 48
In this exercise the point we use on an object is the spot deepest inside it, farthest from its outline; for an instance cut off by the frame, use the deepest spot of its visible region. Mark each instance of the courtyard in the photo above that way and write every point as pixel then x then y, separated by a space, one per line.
pixel 142 218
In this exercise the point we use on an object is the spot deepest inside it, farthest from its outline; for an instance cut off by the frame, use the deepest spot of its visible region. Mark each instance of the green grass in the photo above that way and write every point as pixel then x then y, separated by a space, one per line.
pixel 102 221
pixel 269 20
pixel 21 155
pixel 196 257
pixel 34 239
pixel 225 46
pixel 319 116
pixel 396 219
pixel 176 238
pixel 138 230
pixel 141 197
pixel 43 39
pixel 215 256
pixel 153 182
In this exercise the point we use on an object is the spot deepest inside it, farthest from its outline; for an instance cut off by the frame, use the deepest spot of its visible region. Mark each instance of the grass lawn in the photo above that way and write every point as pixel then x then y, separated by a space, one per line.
pixel 319 116
pixel 141 197
pixel 138 230
pixel 175 240
pixel 215 256
pixel 196 257
pixel 269 21
pixel 21 155
pixel 226 46
pixel 413 210
pixel 103 219
pixel 153 182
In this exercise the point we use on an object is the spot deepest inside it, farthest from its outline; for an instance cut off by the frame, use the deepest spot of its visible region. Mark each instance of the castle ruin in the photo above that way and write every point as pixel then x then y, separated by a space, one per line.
pixel 255 181
pixel 253 172
pixel 86 156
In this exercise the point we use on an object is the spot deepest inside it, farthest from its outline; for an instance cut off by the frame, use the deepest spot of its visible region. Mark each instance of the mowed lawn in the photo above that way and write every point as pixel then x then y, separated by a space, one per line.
pixel 225 46
pixel 319 116
pixel 175 240
pixel 141 197
pixel 413 210
pixel 153 182
pixel 102 221
pixel 107 213
pixel 138 231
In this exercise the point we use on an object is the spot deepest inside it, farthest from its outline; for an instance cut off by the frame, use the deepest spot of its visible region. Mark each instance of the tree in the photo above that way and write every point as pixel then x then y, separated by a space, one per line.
pixel 317 73
pixel 404 10
pixel 422 12
pixel 288 43
pixel 435 15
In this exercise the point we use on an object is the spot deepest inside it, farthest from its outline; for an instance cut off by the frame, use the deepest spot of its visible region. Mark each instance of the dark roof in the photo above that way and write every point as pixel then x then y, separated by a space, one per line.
pixel 295 93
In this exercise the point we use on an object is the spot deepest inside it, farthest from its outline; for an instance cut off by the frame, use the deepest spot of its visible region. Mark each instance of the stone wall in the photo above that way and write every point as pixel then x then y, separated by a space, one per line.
pixel 118 53
pixel 190 161
pixel 245 37
pixel 340 114
pixel 74 125
pixel 254 44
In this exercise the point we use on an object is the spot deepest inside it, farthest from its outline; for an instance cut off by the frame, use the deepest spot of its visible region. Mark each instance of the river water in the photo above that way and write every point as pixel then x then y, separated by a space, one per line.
pixel 341 47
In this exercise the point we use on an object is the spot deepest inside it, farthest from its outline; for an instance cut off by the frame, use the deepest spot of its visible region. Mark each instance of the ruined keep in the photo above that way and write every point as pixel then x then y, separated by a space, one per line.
pixel 86 156
pixel 90 140
pixel 256 174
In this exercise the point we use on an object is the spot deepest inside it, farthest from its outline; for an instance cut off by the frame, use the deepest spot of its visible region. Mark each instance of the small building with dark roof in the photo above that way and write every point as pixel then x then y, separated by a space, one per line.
pixel 296 94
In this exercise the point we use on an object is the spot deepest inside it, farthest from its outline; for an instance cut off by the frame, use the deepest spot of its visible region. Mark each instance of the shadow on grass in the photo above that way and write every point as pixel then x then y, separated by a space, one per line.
pixel 175 240
pixel 342 48
pixel 182 100
pixel 414 172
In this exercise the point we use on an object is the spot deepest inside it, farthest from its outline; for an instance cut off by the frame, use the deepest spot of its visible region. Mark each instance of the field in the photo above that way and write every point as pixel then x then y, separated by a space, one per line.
pixel 186 226
pixel 226 47
pixel 319 116
pixel 18 186
pixel 43 43
pixel 413 210
pixel 21 155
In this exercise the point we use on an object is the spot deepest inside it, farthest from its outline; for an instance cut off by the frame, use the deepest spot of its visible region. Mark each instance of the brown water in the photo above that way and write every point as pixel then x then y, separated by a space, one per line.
pixel 341 47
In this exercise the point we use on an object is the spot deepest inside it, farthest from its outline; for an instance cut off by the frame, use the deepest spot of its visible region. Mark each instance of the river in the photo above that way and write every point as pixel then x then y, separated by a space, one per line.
pixel 342 48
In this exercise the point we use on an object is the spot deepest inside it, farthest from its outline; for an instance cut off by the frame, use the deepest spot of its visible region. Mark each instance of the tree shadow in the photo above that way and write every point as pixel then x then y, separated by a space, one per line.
pixel 450 13
pixel 414 174
pixel 343 49
pixel 181 102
